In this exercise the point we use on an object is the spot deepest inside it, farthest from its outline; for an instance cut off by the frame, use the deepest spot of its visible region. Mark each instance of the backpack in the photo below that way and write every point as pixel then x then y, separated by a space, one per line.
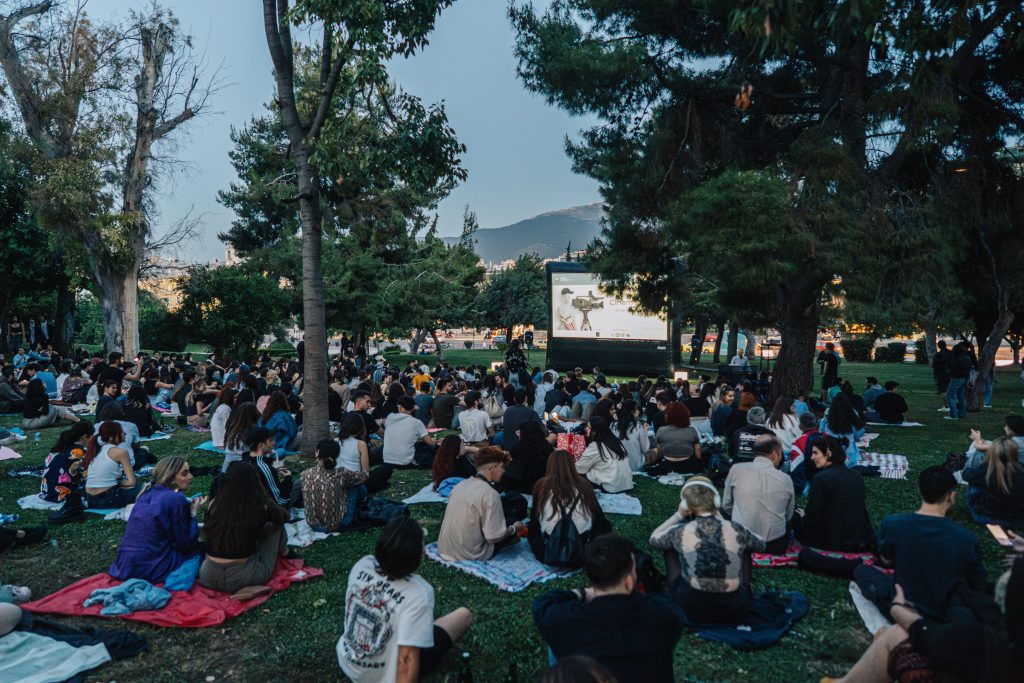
pixel 494 407
pixel 648 578
pixel 563 547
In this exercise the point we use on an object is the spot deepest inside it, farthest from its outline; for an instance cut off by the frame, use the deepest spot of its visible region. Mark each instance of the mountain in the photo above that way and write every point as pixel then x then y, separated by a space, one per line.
pixel 545 235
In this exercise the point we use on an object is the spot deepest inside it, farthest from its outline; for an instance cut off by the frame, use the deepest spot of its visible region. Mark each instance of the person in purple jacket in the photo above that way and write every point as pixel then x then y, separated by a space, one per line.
pixel 162 533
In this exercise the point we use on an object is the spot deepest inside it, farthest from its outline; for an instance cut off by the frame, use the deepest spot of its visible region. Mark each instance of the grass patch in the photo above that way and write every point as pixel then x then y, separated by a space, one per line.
pixel 292 636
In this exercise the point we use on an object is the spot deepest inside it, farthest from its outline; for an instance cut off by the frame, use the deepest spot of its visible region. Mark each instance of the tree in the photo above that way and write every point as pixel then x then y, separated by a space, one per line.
pixel 230 307
pixel 887 98
pixel 515 296
pixel 71 79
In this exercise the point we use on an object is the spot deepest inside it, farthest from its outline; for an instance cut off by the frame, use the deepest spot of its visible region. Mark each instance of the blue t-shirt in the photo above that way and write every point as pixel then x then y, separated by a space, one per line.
pixel 799 407
pixel 423 404
pixel 931 555
pixel 49 381
pixel 584 397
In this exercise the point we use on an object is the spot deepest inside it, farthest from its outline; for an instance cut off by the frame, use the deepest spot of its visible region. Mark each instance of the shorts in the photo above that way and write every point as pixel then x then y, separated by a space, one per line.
pixel 430 657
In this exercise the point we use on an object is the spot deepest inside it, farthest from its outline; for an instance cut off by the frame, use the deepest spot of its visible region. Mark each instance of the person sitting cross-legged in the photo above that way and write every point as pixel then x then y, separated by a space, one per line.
pixel 631 633
pixel 836 517
pixel 331 491
pixel 890 406
pixel 707 559
pixel 406 442
pixel 995 493
pixel 390 633
pixel 759 497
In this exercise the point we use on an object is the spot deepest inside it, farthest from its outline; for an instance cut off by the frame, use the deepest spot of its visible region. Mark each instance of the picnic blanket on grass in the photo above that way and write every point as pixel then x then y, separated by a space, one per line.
pixel 208 446
pixel 511 570
pixel 896 424
pixel 670 479
pixel 612 503
pixel 865 440
pixel 32 658
pixel 196 608
pixel 155 436
pixel 34 502
pixel 789 558
pixel 890 465
pixel 301 535
pixel 772 615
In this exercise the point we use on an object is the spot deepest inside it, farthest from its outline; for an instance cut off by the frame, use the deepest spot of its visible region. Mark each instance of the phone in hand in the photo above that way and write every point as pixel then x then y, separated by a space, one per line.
pixel 1000 535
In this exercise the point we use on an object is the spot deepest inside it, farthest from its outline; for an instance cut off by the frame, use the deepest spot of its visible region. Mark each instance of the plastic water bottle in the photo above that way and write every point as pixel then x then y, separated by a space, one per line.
pixel 37 437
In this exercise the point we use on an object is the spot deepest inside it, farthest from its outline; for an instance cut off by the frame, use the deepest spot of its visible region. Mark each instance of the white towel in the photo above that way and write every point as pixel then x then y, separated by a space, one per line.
pixel 34 502
pixel 301 535
pixel 872 617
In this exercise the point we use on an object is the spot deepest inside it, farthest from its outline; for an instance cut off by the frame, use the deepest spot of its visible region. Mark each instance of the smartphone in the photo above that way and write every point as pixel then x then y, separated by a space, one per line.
pixel 1000 535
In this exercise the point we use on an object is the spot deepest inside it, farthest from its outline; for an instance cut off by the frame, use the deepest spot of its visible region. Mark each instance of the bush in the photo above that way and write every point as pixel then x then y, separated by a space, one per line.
pixel 893 352
pixel 392 348
pixel 857 350
pixel 921 353
pixel 501 346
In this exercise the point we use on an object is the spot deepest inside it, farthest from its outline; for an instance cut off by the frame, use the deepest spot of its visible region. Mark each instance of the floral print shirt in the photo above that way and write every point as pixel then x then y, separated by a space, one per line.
pixel 63 474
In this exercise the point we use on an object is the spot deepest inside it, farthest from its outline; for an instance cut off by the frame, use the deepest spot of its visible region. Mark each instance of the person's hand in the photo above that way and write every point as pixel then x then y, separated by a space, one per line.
pixel 198 504
pixel 284 471
pixel 1017 543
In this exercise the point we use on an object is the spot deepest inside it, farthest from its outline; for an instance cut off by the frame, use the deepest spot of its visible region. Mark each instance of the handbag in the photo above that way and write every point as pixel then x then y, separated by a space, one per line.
pixel 575 444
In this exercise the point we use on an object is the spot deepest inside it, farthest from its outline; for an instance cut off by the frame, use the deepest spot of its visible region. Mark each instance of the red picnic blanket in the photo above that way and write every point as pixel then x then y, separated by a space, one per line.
pixel 196 608
pixel 789 558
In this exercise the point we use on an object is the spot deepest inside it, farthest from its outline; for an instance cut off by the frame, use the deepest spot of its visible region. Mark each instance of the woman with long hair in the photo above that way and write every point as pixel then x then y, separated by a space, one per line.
pixel 277 417
pixel 198 402
pixel 110 480
pixel 843 422
pixel 331 493
pixel 37 413
pixel 836 517
pixel 242 419
pixel 529 459
pixel 219 421
pixel 564 491
pixel 721 409
pixel 138 410
pixel 738 417
pixel 995 493
pixel 162 533
pixel 632 433
pixel 605 462
pixel 784 423
pixel 63 473
pixel 676 445
pixel 244 532
pixel 452 460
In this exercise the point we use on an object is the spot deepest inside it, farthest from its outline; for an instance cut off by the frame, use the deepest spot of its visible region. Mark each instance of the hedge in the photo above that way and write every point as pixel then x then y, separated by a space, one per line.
pixel 893 352
pixel 857 350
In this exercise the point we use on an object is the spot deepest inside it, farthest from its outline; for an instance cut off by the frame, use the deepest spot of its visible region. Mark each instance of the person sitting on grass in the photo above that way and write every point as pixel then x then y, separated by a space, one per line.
pixel 385 590
pixel 843 422
pixel 529 458
pixel 836 517
pixel 110 482
pixel 605 462
pixel 453 459
pixel 243 418
pixel 139 412
pixel 474 525
pixel 563 491
pixel 276 478
pixel 932 556
pixel 475 423
pixel 801 468
pixel 995 493
pixel 406 441
pixel 676 445
pixel 139 454
pixel 968 646
pixel 63 473
pixel 277 417
pixel 1013 427
pixel 37 413
pixel 633 634
pixel 198 403
pixel 742 440
pixel 759 497
pixel 219 421
pixel 244 531
pixel 331 491
pixel 162 533
pixel 890 406
pixel 721 410
pixel 707 559
pixel 12 400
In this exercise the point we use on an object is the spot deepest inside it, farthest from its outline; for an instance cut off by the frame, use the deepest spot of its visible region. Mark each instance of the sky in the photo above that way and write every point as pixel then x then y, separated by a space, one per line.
pixel 515 142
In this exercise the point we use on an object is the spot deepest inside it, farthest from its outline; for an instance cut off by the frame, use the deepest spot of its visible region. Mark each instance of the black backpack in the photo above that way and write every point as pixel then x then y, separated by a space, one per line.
pixel 563 547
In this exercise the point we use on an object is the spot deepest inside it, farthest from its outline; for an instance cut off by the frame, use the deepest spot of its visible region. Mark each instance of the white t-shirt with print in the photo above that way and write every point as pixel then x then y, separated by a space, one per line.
pixel 474 424
pixel 380 616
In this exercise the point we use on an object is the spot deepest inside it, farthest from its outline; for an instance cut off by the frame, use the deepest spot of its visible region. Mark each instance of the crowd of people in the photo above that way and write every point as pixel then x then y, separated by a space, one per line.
pixel 507 433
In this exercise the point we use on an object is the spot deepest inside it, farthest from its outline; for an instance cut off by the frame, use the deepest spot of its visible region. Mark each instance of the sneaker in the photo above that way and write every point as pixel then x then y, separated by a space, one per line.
pixel 950 417
pixel 943 410
pixel 986 406
pixel 20 594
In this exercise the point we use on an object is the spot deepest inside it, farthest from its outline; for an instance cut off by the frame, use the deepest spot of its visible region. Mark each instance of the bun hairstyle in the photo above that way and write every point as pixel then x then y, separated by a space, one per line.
pixel 327 452
pixel 699 493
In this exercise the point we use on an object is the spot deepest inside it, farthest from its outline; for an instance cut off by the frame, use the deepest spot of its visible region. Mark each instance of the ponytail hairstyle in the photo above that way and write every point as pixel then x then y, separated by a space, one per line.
pixel 327 452
pixel 110 433
pixel 70 436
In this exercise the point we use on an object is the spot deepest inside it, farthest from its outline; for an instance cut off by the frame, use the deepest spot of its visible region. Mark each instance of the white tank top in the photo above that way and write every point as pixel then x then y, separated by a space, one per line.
pixel 348 459
pixel 103 472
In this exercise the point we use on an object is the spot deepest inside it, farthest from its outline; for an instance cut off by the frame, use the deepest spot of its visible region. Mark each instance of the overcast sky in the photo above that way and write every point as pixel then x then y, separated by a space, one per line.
pixel 516 159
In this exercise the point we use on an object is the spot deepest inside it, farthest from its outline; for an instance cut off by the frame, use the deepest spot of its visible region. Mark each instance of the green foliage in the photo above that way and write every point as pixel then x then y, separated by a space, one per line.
pixel 857 350
pixel 921 352
pixel 230 307
pixel 160 329
pixel 893 352
pixel 516 296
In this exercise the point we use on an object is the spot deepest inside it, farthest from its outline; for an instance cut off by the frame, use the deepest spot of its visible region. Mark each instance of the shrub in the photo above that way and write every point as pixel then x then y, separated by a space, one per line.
pixel 857 350
pixel 501 346
pixel 921 353
pixel 893 352
pixel 392 348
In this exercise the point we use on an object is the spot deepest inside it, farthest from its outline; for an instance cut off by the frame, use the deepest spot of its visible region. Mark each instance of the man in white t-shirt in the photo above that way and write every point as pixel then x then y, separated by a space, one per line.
pixel 390 633
pixel 475 423
pixel 402 432
pixel 739 360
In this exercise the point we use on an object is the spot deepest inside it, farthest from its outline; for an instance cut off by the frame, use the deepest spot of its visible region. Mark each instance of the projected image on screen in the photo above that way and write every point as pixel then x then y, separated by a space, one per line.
pixel 581 311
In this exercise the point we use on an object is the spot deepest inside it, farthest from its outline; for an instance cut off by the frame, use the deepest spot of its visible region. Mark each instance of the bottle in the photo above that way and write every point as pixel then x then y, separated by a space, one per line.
pixel 37 437
pixel 465 673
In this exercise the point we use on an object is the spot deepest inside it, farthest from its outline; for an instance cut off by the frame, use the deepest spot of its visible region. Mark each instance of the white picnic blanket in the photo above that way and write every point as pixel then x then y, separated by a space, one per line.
pixel 872 617
pixel 34 502
pixel 301 535
pixel 670 479
pixel 427 494
pixel 896 424
pixel 155 436
pixel 890 465
pixel 511 570
pixel 613 503
pixel 866 440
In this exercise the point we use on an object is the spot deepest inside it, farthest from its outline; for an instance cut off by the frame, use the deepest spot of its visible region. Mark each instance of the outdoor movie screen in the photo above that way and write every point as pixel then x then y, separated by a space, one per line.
pixel 581 311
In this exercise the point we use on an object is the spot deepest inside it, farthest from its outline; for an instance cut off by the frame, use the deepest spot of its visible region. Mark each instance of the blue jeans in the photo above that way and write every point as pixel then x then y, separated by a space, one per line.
pixel 956 394
pixel 988 389
pixel 356 495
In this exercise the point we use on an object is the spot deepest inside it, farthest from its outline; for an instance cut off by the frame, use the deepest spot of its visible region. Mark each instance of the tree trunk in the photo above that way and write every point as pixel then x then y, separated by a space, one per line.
pixel 508 334
pixel 987 358
pixel 437 344
pixel 1015 343
pixel 417 340
pixel 751 346
pixel 733 340
pixel 63 334
pixel 717 355
pixel 112 293
pixel 700 331
pixel 929 343
pixel 798 308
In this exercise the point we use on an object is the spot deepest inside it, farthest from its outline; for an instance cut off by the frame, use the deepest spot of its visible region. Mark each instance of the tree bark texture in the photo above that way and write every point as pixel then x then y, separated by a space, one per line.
pixel 733 340
pixel 700 331
pixel 987 357
pixel 799 309
pixel 717 354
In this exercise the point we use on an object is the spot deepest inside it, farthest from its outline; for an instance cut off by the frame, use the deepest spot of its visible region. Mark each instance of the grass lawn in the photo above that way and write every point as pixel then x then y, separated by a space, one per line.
pixel 292 636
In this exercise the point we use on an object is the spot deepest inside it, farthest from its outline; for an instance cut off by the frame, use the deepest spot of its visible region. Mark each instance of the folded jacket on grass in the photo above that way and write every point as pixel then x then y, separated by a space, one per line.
pixel 121 644
pixel 512 570
pixel 197 608
pixel 770 617
pixel 134 595
pixel 31 658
